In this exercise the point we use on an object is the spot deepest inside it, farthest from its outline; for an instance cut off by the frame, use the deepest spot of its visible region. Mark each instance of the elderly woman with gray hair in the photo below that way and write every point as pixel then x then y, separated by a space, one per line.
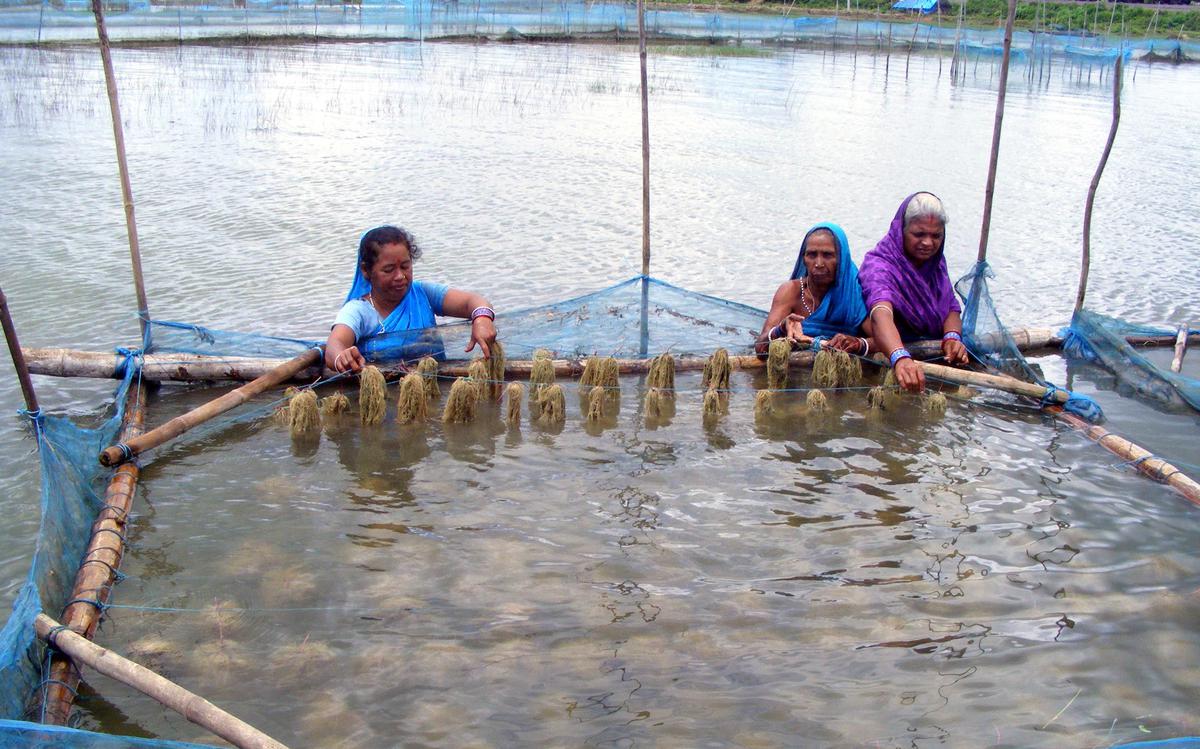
pixel 907 289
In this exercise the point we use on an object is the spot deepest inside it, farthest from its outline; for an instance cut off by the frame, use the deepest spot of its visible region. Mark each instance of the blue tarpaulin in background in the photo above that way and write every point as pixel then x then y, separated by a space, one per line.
pixel 924 6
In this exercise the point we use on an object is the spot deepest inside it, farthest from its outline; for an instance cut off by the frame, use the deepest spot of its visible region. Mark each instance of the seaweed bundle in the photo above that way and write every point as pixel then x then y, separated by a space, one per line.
pixel 372 395
pixel 461 402
pixel 304 416
pixel 515 393
pixel 717 370
pixel 412 404
pixel 428 369
pixel 777 363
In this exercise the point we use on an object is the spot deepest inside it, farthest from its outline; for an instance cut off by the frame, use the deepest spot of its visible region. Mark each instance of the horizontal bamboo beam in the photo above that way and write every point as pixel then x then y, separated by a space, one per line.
pixel 1141 458
pixel 996 382
pixel 191 706
pixel 281 373
pixel 98 570
pixel 198 368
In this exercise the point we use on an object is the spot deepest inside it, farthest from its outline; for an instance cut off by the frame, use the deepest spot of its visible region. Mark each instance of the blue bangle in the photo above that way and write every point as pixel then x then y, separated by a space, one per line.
pixel 953 335
pixel 898 354
pixel 817 341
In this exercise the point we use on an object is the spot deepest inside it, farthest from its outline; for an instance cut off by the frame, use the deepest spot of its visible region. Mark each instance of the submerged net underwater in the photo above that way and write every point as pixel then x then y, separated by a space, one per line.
pixel 638 318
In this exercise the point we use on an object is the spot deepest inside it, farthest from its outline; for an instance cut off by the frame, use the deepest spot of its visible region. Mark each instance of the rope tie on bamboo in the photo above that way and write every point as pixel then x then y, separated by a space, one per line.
pixel 117 574
pixel 47 682
pixel 89 601
pixel 113 531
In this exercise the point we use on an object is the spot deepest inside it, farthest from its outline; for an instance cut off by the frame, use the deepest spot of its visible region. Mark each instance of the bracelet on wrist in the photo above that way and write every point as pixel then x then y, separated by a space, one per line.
pixel 775 332
pixel 817 342
pixel 487 312
pixel 952 335
pixel 897 355
pixel 866 346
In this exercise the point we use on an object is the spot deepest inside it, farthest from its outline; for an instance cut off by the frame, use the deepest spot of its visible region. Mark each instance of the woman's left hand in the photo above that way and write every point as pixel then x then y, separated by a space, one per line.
pixel 483 332
pixel 954 352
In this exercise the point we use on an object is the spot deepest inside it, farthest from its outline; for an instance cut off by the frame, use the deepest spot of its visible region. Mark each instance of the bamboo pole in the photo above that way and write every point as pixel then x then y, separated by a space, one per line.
pixel 18 356
pixel 191 706
pixel 1141 458
pixel 135 255
pixel 121 452
pixel 200 368
pixel 1181 342
pixel 995 154
pixel 645 139
pixel 996 382
pixel 1091 196
pixel 98 570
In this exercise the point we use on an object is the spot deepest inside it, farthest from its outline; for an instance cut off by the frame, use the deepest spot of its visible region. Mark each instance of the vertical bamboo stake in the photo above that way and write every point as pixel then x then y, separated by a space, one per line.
pixel 645 140
pixel 98 570
pixel 1091 196
pixel 1181 342
pixel 126 190
pixel 18 356
pixel 995 156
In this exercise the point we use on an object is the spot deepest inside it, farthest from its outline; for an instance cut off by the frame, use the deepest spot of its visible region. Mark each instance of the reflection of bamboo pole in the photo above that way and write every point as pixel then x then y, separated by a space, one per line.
pixel 1139 457
pixel 18 356
pixel 1181 342
pixel 125 450
pixel 1091 196
pixel 995 156
pixel 135 254
pixel 191 706
pixel 98 570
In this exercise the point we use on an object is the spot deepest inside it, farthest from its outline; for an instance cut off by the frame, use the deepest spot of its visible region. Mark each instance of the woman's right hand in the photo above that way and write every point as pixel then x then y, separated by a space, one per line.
pixel 348 359
pixel 910 375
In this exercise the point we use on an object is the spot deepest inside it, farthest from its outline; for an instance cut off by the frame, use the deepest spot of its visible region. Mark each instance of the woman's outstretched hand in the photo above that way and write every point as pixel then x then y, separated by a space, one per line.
pixel 483 333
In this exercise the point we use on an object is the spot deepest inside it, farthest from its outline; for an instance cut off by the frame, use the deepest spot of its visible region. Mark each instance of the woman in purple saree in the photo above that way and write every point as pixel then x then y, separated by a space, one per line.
pixel 907 289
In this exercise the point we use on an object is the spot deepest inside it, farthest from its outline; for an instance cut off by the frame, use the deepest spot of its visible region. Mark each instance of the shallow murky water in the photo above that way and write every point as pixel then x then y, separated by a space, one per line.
pixel 842 581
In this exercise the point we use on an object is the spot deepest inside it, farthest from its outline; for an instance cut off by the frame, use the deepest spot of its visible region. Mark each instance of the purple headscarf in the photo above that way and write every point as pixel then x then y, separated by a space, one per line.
pixel 922 297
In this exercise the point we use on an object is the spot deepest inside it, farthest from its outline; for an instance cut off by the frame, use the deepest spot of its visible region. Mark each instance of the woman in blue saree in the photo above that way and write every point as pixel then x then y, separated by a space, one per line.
pixel 822 303
pixel 385 299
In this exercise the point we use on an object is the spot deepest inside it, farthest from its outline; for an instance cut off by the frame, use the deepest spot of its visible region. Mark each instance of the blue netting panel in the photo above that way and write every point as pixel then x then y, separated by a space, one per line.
pixel 640 317
pixel 1101 339
pixel 19 735
pixel 989 341
pixel 72 494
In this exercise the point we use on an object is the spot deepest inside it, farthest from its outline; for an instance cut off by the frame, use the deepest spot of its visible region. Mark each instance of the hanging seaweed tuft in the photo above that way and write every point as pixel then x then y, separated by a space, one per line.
pixel 477 372
pixel 541 375
pixel 654 401
pixel 712 405
pixel 764 404
pixel 777 363
pixel 495 370
pixel 817 402
pixel 717 370
pixel 849 369
pixel 591 372
pixel 412 404
pixel 889 379
pixel 934 404
pixel 372 395
pixel 595 409
pixel 825 369
pixel 461 402
pixel 332 405
pixel 662 374
pixel 515 393
pixel 876 397
pixel 552 405
pixel 283 414
pixel 305 416
pixel 428 369
pixel 610 373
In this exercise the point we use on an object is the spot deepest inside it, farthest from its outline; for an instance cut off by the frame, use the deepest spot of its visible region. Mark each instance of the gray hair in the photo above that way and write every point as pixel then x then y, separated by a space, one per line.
pixel 925 205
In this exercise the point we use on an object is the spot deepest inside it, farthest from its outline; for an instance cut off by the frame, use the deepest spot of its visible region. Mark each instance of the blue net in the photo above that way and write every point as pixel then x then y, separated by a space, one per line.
pixel 989 341
pixel 15 733
pixel 1104 340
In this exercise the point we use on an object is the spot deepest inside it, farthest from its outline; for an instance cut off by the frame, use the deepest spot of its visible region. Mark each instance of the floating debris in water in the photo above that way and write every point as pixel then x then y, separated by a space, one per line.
pixel 552 405
pixel 934 404
pixel 662 373
pixel 332 405
pixel 412 405
pixel 595 410
pixel 515 393
pixel 305 416
pixel 372 395
pixel 817 402
pixel 428 369
pixel 764 402
pixel 717 370
pixel 495 369
pixel 460 404
pixel 777 363
pixel 825 372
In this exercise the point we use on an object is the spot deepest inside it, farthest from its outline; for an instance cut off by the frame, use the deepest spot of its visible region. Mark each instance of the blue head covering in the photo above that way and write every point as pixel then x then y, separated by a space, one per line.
pixel 842 309
pixel 414 310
